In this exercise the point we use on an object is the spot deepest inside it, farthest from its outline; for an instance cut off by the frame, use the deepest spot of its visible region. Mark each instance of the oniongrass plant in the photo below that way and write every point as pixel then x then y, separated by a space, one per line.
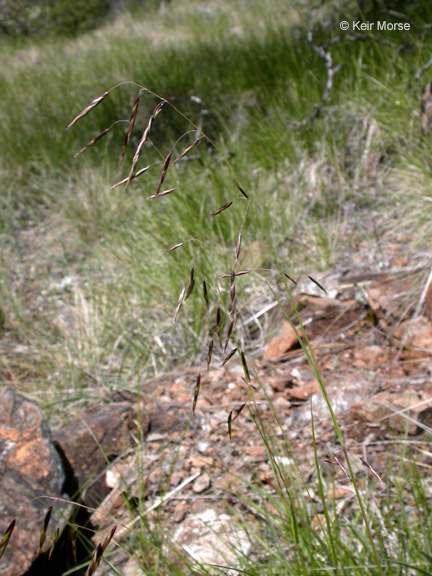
pixel 292 522
pixel 343 547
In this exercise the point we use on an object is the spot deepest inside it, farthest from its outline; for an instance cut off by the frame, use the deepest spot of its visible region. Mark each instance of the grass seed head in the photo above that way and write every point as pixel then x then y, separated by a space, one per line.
pixel 187 150
pixel 205 294
pixel 130 127
pixel 179 302
pixel 228 334
pixel 320 286
pixel 191 283
pixel 241 189
pixel 245 366
pixel 164 172
pixel 92 141
pixel 143 140
pixel 219 210
pixel 127 179
pixel 88 108
pixel 229 356
pixel 196 393
pixel 209 353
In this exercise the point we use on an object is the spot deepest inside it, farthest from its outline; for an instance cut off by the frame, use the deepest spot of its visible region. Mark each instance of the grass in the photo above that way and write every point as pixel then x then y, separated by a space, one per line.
pixel 87 291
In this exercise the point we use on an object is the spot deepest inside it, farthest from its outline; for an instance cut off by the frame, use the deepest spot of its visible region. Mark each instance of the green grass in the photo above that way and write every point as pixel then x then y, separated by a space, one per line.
pixel 255 81
pixel 86 290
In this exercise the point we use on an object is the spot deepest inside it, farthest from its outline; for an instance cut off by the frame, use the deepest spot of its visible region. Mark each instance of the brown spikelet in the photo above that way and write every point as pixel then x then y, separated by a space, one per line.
pixel 164 172
pixel 232 286
pixel 92 141
pixel 98 553
pixel 88 108
pixel 369 467
pixel 173 248
pixel 239 273
pixel 130 127
pixel 241 189
pixel 163 193
pixel 143 140
pixel 205 293
pixel 289 278
pixel 234 310
pixel 233 415
pixel 209 353
pixel 228 334
pixel 127 179
pixel 338 463
pixel 196 393
pixel 245 366
pixel 317 283
pixel 250 385
pixel 179 302
pixel 191 283
pixel 219 325
pixel 187 150
pixel 238 245
pixel 43 532
pixel 6 537
pixel 229 356
pixel 219 210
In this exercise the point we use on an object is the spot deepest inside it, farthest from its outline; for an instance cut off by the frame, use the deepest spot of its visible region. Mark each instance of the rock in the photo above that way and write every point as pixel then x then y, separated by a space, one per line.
pixel 211 538
pixel 305 391
pixel 401 411
pixel 179 513
pixel 386 298
pixel 285 341
pixel 201 484
pixel 281 405
pixel 416 333
pixel 342 392
pixel 94 438
pixel 30 470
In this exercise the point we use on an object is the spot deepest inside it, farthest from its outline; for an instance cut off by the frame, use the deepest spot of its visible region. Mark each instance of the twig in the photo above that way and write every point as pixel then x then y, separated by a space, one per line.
pixel 125 528
pixel 324 53
pixel 423 69
pixel 331 72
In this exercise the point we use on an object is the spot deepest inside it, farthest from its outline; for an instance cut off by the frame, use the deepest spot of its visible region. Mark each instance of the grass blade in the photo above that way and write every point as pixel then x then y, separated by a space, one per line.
pixel 143 140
